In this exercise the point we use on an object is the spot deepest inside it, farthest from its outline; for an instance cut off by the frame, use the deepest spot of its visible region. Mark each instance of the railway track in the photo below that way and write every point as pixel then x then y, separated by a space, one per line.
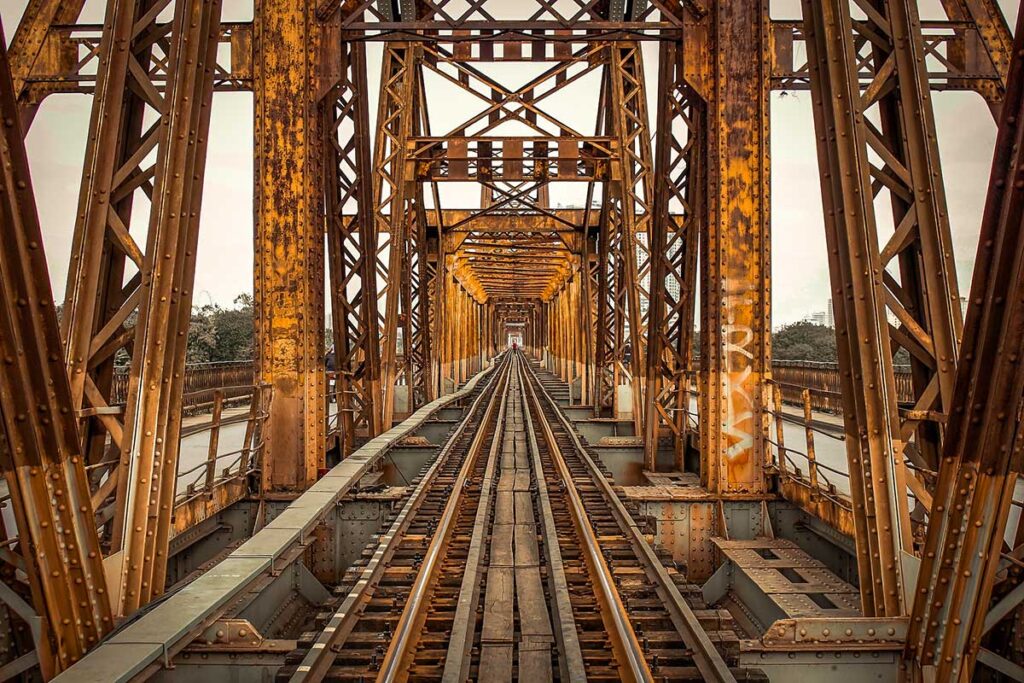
pixel 513 559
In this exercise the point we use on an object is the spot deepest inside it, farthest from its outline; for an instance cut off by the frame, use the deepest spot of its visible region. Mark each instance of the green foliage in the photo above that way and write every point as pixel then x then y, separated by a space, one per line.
pixel 805 341
pixel 221 334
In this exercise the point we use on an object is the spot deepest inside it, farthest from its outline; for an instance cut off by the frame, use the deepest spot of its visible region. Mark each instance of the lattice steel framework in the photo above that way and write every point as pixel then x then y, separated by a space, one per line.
pixel 911 278
pixel 351 236
pixel 40 450
pixel 419 299
pixel 141 462
pixel 677 219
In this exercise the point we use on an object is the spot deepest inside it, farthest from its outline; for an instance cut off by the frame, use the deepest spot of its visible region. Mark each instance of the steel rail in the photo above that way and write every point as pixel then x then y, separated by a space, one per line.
pixel 632 663
pixel 321 655
pixel 410 623
pixel 571 660
pixel 458 658
pixel 706 657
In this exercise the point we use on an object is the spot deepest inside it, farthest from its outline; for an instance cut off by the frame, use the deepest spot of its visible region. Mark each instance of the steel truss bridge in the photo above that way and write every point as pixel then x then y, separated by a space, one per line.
pixel 603 502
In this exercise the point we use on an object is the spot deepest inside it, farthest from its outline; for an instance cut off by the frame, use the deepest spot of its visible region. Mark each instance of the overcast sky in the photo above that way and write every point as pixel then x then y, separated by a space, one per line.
pixel 56 145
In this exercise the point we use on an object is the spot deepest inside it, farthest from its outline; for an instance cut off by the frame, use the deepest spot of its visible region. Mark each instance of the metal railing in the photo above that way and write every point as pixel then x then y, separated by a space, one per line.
pixel 201 479
pixel 201 380
pixel 802 467
pixel 823 380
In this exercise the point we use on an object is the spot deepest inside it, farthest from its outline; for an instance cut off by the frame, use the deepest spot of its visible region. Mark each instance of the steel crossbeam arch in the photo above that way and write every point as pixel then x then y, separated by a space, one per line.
pixel 674 244
pixel 351 243
pixel 981 459
pixel 924 300
pixel 40 451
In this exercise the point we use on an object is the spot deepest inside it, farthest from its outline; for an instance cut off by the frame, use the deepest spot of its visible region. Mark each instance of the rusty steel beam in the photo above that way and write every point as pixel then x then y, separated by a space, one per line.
pixel 981 458
pixel 394 197
pixel 735 301
pixel 925 300
pixel 674 244
pixel 351 240
pixel 289 248
pixel 34 47
pixel 40 451
pixel 149 449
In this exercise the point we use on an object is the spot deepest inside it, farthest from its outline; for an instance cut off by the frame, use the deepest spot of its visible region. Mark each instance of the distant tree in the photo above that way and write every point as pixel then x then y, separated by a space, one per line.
pixel 221 334
pixel 805 341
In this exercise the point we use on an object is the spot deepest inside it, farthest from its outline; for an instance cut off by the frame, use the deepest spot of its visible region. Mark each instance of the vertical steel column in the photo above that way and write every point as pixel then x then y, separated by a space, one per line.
pixel 607 340
pixel 981 459
pixel 923 304
pixel 736 312
pixel 419 349
pixel 674 245
pixel 632 196
pixel 149 450
pixel 40 451
pixel 351 238
pixel 393 205
pixel 289 249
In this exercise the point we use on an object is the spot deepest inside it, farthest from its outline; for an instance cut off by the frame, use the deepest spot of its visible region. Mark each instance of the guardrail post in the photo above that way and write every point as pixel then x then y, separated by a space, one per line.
pixel 211 457
pixel 780 438
pixel 812 462
pixel 255 407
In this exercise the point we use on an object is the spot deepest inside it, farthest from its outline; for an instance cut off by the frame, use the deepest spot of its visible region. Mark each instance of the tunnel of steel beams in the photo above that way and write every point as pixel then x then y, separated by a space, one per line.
pixel 673 227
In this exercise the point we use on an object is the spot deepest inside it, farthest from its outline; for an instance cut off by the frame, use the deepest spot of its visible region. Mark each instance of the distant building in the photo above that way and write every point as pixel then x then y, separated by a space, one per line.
pixel 824 318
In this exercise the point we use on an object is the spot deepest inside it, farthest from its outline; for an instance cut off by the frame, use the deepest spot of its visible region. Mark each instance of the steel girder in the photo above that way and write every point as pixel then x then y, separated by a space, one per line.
pixel 631 203
pixel 99 308
pixel 149 452
pixel 40 450
pixel 965 548
pixel 395 214
pixel 674 244
pixel 351 240
pixel 922 296
pixel 33 42
pixel 141 461
pixel 735 295
pixel 289 248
